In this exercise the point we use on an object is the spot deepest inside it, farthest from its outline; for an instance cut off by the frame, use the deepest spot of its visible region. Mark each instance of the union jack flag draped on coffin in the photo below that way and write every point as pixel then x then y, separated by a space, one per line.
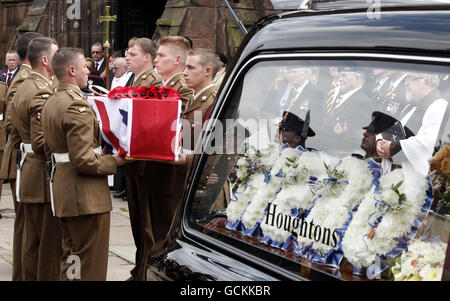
pixel 142 123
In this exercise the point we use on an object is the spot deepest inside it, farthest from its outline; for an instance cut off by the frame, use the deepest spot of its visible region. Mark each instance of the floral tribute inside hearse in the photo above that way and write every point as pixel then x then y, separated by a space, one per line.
pixel 336 176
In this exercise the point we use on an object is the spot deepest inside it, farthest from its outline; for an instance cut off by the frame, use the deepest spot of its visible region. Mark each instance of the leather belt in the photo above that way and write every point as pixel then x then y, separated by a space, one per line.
pixel 62 158
pixel 24 149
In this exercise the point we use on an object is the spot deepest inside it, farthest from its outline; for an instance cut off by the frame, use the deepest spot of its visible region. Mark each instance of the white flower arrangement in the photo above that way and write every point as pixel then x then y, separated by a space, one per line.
pixel 350 181
pixel 250 178
pixel 287 199
pixel 286 164
pixel 424 261
pixel 255 210
pixel 295 191
pixel 398 203
pixel 243 197
pixel 282 163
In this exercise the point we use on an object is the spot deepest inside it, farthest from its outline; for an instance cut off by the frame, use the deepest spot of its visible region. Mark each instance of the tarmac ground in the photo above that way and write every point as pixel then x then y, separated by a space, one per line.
pixel 121 244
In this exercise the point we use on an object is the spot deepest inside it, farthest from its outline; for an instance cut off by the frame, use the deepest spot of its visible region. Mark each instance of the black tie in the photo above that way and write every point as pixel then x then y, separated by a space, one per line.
pixel 96 66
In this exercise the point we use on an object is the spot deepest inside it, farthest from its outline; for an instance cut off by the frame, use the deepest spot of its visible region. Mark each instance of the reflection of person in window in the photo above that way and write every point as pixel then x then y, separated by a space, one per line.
pixel 385 127
pixel 292 130
pixel 423 114
pixel 351 94
pixel 346 111
pixel 292 90
pixel 380 86
pixel 213 189
pixel 393 101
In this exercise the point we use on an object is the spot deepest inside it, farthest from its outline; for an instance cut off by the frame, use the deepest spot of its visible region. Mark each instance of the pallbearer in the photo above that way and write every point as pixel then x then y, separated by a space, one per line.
pixel 81 198
pixel 166 181
pixel 8 170
pixel 170 62
pixel 41 244
pixel 201 67
pixel 162 182
pixel 139 61
pixel 3 90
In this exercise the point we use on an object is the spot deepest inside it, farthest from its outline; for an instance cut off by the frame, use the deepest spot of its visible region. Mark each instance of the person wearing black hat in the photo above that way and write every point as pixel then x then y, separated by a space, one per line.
pixel 385 127
pixel 294 131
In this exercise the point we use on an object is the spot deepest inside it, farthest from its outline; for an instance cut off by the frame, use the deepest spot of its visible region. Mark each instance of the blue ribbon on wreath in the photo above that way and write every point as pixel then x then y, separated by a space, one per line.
pixel 267 176
pixel 402 242
pixel 334 256
pixel 255 231
pixel 237 225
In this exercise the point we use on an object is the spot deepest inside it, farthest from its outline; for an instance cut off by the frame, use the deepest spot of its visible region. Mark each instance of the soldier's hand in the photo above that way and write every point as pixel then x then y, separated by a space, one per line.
pixel 105 150
pixel 212 179
pixel 120 160
pixel 181 159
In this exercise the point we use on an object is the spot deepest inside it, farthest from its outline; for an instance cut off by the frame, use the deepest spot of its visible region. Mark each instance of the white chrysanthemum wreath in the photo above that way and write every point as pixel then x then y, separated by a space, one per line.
pixel 384 216
pixel 351 180
pixel 250 173
pixel 295 194
pixel 255 210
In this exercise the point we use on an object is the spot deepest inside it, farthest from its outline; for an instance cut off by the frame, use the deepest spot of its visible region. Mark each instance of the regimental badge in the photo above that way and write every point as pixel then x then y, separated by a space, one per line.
pixel 82 109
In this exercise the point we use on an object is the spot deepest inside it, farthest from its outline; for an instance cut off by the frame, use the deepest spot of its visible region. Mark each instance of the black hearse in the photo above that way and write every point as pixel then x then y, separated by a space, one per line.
pixel 332 115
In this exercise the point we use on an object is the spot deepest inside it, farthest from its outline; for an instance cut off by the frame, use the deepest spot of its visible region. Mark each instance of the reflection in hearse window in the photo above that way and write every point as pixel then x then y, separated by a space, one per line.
pixel 329 163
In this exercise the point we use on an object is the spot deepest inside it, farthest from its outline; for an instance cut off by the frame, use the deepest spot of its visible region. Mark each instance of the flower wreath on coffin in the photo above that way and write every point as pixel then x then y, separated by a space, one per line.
pixel 255 211
pixel 295 198
pixel 336 198
pixel 252 172
pixel 386 219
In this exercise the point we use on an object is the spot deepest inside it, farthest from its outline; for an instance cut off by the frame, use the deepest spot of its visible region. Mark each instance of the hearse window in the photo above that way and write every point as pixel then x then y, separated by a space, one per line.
pixel 326 163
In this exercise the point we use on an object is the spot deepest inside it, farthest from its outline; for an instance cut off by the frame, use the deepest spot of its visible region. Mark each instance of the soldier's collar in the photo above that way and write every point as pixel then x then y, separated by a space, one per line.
pixel 69 87
pixel 25 66
pixel 173 79
pixel 196 95
pixel 143 73
pixel 46 80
